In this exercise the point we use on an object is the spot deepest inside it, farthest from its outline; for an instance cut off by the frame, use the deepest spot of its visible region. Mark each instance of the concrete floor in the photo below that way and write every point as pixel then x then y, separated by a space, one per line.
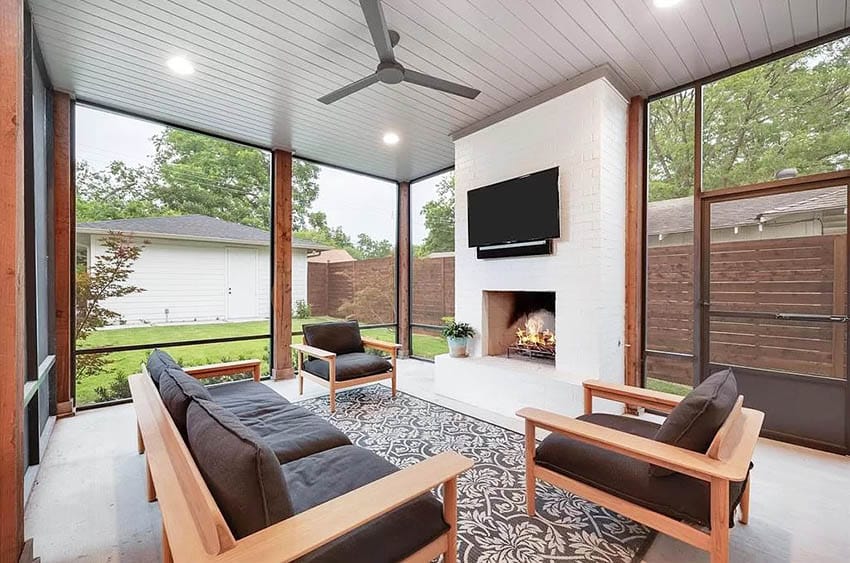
pixel 88 503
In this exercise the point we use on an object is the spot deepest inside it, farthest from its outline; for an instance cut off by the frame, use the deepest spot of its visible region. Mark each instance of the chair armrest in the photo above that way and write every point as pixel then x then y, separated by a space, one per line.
pixel 313 351
pixel 628 394
pixel 309 530
pixel 677 459
pixel 381 345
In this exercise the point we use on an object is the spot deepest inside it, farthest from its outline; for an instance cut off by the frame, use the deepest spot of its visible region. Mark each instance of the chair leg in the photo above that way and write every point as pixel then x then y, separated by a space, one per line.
pixel 140 442
pixel 450 516
pixel 394 384
pixel 333 398
pixel 719 546
pixel 300 382
pixel 151 488
pixel 530 481
pixel 745 504
pixel 394 362
pixel 166 548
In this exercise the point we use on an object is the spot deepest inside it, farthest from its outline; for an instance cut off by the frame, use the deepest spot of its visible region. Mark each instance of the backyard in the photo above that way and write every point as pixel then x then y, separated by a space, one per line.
pixel 126 363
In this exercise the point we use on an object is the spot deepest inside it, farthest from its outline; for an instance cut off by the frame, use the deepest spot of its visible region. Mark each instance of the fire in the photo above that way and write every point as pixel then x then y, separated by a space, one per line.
pixel 535 336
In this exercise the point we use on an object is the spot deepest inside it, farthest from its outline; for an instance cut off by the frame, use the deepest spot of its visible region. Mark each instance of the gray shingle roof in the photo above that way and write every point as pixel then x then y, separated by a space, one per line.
pixel 677 215
pixel 199 227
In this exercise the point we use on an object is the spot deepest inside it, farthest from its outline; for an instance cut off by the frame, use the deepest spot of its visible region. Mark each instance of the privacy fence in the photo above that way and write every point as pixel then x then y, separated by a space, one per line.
pixel 365 290
pixel 805 275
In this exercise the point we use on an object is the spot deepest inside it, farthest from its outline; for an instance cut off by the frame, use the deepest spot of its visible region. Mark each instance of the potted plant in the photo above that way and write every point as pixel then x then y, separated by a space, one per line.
pixel 458 336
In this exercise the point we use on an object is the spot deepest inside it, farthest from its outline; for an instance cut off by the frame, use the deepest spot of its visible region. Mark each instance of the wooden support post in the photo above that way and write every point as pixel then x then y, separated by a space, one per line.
pixel 12 321
pixel 63 243
pixel 634 241
pixel 404 265
pixel 282 251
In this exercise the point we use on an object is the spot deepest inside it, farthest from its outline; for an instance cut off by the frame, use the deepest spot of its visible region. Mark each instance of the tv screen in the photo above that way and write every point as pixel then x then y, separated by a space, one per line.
pixel 523 209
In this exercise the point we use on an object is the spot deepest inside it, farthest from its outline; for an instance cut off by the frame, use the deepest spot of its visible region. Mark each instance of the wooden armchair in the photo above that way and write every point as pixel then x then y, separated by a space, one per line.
pixel 334 355
pixel 716 480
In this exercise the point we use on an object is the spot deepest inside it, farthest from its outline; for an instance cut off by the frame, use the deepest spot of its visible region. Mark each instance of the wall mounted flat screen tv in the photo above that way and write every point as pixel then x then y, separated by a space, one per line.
pixel 523 209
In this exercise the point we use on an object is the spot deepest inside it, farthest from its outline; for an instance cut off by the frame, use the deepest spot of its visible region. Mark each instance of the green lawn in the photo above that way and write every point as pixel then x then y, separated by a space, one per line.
pixel 667 386
pixel 126 363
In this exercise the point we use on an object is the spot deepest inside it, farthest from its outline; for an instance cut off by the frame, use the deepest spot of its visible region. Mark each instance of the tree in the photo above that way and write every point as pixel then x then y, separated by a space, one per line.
pixel 106 279
pixel 439 216
pixel 790 113
pixel 117 192
pixel 372 248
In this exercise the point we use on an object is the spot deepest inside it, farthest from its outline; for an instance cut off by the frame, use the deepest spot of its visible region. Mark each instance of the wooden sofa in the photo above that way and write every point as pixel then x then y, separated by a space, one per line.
pixel 726 463
pixel 340 360
pixel 195 529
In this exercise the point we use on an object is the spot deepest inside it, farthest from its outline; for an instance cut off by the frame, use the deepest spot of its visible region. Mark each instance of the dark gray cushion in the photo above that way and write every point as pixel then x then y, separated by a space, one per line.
pixel 177 390
pixel 697 418
pixel 678 496
pixel 321 477
pixel 240 470
pixel 289 430
pixel 339 337
pixel 350 366
pixel 158 362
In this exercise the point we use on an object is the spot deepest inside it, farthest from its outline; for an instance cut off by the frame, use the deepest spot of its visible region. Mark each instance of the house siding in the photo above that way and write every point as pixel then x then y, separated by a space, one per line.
pixel 189 280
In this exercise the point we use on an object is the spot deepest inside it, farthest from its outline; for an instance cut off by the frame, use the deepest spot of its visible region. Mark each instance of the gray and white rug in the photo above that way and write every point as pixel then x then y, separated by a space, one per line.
pixel 492 523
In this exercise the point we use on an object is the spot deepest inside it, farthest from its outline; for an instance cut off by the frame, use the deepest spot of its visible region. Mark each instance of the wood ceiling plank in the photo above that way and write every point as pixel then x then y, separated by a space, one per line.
pixel 725 25
pixel 698 22
pixel 673 25
pixel 751 21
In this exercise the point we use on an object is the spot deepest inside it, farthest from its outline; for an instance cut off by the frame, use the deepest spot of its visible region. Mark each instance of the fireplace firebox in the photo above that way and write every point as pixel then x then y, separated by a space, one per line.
pixel 520 324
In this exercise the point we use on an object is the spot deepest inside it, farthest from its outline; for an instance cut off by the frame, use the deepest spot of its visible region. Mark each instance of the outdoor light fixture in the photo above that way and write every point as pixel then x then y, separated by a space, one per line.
pixel 391 138
pixel 180 65
pixel 665 3
pixel 735 230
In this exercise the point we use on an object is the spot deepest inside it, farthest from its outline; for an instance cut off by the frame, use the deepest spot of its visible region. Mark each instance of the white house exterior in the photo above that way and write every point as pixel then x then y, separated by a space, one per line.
pixel 195 268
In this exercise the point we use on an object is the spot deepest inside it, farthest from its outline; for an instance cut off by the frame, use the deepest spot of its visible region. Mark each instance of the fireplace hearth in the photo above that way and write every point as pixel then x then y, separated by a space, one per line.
pixel 521 324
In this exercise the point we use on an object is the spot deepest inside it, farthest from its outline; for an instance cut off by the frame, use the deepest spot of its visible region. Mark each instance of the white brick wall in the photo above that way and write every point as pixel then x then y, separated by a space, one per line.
pixel 584 133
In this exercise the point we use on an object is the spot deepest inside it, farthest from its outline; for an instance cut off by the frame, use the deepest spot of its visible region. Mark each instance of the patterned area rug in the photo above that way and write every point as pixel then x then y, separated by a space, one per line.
pixel 492 523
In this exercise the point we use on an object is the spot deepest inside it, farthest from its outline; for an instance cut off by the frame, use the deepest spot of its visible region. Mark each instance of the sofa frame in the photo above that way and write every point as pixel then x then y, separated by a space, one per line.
pixel 727 460
pixel 194 529
pixel 304 350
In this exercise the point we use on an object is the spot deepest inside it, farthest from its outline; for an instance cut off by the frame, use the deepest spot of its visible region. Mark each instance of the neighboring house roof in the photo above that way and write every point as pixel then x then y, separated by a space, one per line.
pixel 191 227
pixel 333 255
pixel 441 255
pixel 677 215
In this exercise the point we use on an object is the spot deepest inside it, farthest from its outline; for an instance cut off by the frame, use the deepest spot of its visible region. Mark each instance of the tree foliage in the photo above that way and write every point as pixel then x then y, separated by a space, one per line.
pixel 790 113
pixel 439 214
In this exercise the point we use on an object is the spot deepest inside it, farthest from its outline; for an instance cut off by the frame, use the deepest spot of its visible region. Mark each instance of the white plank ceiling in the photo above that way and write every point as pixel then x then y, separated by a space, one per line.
pixel 261 64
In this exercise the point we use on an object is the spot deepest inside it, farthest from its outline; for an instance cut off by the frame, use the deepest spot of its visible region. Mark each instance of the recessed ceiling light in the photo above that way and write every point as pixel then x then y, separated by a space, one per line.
pixel 391 138
pixel 665 3
pixel 180 65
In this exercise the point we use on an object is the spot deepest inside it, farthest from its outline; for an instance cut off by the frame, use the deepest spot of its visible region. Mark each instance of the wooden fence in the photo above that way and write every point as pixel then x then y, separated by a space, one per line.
pixel 793 275
pixel 365 289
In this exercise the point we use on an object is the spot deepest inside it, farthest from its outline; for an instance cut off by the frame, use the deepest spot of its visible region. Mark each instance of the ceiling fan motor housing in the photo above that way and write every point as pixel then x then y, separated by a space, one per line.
pixel 390 73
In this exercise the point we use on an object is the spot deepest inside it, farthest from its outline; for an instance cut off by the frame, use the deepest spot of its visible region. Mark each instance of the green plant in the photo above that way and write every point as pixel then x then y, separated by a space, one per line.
pixel 458 330
pixel 302 310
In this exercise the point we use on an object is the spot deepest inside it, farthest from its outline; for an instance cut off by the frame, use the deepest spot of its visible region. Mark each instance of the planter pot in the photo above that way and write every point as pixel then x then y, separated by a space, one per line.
pixel 458 347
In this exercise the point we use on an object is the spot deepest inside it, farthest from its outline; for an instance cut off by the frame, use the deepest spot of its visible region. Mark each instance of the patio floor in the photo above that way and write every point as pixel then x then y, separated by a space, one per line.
pixel 89 504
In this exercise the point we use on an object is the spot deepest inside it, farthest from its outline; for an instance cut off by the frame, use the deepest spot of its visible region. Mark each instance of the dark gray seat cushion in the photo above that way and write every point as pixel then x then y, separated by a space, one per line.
pixel 177 390
pixel 321 477
pixel 678 496
pixel 158 362
pixel 291 431
pixel 240 470
pixel 697 418
pixel 350 366
pixel 339 337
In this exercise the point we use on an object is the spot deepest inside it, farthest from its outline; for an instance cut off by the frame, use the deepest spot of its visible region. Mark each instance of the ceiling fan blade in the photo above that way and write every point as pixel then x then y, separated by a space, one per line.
pixel 429 81
pixel 374 15
pixel 350 89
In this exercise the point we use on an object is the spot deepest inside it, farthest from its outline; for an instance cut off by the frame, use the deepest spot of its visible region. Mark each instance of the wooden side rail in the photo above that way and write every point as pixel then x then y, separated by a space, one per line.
pixel 727 460
pixel 226 368
pixel 305 350
pixel 628 395
pixel 194 529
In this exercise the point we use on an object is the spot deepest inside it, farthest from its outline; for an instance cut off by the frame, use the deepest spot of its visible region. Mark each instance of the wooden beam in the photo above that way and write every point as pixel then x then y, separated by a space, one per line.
pixel 282 249
pixel 63 244
pixel 634 241
pixel 404 268
pixel 12 321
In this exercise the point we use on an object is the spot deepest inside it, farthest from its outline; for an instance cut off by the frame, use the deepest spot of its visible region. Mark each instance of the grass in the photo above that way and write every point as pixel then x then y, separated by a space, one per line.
pixel 667 386
pixel 126 363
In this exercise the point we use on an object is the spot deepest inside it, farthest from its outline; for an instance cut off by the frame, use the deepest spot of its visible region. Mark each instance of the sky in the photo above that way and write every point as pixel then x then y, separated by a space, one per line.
pixel 358 204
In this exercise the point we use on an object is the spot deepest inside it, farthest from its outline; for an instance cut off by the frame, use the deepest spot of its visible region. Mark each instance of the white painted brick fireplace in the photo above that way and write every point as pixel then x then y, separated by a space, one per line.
pixel 583 132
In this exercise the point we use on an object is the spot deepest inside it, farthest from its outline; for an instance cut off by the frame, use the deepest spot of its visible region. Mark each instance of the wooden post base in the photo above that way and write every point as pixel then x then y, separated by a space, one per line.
pixel 281 374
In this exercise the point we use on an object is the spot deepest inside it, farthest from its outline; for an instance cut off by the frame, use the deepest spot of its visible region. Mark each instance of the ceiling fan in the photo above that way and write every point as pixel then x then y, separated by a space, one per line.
pixel 389 70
